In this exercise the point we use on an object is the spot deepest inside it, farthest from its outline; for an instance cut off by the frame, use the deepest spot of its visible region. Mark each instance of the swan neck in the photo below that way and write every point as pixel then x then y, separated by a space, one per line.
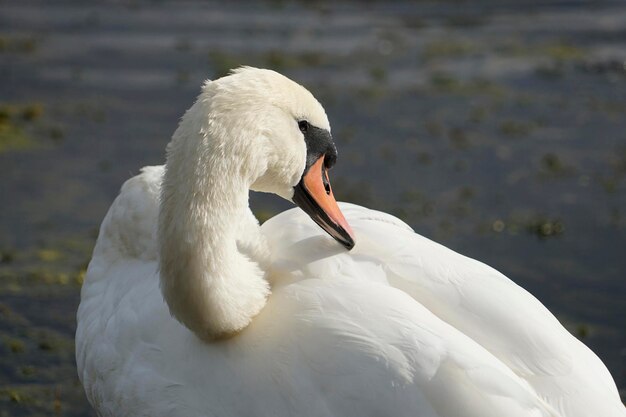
pixel 209 285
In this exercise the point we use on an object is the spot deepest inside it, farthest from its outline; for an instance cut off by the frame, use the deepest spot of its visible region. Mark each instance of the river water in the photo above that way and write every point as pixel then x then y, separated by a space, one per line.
pixel 496 128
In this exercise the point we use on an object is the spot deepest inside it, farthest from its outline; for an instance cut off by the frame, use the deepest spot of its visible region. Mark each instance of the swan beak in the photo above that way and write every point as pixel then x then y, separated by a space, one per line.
pixel 314 195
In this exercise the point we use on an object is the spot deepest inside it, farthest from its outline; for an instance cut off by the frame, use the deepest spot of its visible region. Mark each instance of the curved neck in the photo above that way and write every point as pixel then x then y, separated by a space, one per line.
pixel 204 222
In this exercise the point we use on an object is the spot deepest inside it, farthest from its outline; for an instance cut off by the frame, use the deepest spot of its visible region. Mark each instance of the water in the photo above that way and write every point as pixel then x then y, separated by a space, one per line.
pixel 494 128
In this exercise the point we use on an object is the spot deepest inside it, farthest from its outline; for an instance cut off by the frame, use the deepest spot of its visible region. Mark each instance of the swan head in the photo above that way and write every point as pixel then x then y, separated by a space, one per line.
pixel 253 129
pixel 281 135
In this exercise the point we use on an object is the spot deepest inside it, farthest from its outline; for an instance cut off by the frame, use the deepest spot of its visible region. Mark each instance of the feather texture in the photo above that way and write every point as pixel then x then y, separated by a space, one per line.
pixel 400 326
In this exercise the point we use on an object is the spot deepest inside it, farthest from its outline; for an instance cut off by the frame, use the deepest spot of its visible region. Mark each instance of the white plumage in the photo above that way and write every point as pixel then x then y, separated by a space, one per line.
pixel 399 326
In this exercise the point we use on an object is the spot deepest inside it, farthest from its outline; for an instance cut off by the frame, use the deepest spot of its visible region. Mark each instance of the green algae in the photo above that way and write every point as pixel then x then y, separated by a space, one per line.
pixel 37 345
pixel 7 256
pixel 515 128
pixel 444 82
pixel 14 138
pixel 540 226
pixel 49 255
pixel 378 74
pixel 553 166
pixel 18 125
pixel 557 50
pixel 59 263
pixel 14 345
pixel 447 49
pixel 18 44
pixel 562 51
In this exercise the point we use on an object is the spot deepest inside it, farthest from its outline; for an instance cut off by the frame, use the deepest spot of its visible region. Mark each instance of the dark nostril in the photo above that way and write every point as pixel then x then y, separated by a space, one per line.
pixel 325 181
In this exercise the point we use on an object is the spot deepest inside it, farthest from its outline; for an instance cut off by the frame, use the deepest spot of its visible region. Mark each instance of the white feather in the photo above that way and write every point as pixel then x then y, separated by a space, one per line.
pixel 399 326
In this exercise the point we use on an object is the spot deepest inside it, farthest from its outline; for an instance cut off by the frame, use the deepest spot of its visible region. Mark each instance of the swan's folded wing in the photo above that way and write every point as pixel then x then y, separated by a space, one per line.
pixel 123 264
pixel 364 348
pixel 130 225
pixel 470 296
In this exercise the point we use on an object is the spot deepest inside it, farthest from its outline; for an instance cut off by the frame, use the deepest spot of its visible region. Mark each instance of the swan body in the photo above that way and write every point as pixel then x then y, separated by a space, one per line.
pixel 190 308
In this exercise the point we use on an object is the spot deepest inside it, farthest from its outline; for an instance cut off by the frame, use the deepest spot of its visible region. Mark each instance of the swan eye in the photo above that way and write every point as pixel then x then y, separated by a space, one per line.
pixel 303 125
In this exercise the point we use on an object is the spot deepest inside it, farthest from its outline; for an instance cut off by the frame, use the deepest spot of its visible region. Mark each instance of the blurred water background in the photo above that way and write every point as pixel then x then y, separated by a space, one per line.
pixel 497 128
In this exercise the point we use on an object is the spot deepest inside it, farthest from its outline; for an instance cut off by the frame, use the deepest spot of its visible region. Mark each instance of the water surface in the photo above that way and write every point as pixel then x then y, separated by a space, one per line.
pixel 494 128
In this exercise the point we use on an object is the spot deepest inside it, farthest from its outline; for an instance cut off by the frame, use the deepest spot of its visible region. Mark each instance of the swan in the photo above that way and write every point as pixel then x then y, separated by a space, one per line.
pixel 190 308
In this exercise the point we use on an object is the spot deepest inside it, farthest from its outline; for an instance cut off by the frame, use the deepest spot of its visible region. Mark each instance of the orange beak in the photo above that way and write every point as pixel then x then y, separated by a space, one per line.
pixel 314 195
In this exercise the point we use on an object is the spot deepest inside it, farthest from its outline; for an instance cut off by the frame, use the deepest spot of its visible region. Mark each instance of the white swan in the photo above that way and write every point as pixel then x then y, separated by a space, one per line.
pixel 398 326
